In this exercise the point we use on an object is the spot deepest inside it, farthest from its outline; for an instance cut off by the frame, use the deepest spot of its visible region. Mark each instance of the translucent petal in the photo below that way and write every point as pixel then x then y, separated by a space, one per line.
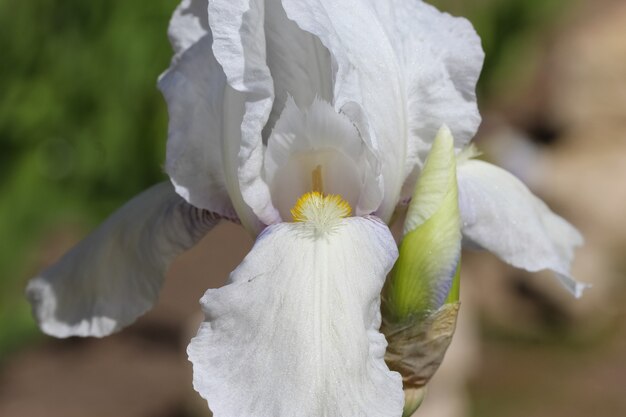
pixel 295 333
pixel 501 215
pixel 114 275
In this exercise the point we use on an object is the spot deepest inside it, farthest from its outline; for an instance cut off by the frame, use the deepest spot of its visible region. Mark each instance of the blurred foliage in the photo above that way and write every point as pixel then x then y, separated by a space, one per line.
pixel 511 33
pixel 82 126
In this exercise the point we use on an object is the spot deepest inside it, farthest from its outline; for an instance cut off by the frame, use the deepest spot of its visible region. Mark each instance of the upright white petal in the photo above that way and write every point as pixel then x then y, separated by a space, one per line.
pixel 194 90
pixel 441 58
pixel 202 154
pixel 368 83
pixel 264 55
pixel 403 70
pixel 239 47
pixel 501 215
pixel 317 137
pixel 300 65
pixel 113 276
pixel 295 333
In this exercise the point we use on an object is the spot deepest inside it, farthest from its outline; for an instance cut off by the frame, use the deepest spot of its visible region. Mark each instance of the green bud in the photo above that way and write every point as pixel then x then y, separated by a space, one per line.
pixel 423 278
pixel 420 300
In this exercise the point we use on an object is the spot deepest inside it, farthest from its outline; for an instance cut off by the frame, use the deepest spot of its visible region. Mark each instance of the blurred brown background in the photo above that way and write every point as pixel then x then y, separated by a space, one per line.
pixel 82 128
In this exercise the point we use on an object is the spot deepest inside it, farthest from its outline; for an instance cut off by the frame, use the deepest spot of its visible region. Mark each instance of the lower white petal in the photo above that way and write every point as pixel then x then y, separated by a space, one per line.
pixel 295 333
pixel 501 215
pixel 113 276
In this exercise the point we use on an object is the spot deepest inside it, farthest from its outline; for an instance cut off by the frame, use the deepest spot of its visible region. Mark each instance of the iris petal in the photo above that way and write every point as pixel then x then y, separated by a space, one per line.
pixel 295 333
pixel 501 215
pixel 265 57
pixel 113 276
pixel 197 150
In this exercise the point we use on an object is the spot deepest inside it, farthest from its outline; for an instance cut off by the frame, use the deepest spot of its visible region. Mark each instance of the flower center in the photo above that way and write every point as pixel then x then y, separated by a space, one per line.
pixel 324 212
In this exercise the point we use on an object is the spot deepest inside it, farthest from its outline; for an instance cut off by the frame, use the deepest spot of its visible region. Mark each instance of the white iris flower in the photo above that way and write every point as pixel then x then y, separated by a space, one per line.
pixel 307 121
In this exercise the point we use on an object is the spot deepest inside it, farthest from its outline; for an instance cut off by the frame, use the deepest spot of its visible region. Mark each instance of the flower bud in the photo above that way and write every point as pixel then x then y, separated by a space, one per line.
pixel 430 251
pixel 420 300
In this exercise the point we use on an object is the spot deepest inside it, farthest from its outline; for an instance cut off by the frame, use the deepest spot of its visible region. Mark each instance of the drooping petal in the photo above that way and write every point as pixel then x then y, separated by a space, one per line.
pixel 415 70
pixel 114 275
pixel 295 333
pixel 501 215
pixel 317 137
pixel 264 55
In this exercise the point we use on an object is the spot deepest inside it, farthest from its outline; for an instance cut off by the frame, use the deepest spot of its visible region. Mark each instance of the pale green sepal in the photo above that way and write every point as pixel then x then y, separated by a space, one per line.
pixel 430 250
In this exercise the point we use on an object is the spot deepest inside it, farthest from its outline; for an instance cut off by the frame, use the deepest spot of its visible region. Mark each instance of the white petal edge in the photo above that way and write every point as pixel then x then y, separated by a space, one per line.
pixel 501 215
pixel 295 333
pixel 114 275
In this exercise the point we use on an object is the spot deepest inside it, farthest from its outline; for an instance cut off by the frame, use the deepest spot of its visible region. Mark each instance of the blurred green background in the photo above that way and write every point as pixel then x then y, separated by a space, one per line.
pixel 82 126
